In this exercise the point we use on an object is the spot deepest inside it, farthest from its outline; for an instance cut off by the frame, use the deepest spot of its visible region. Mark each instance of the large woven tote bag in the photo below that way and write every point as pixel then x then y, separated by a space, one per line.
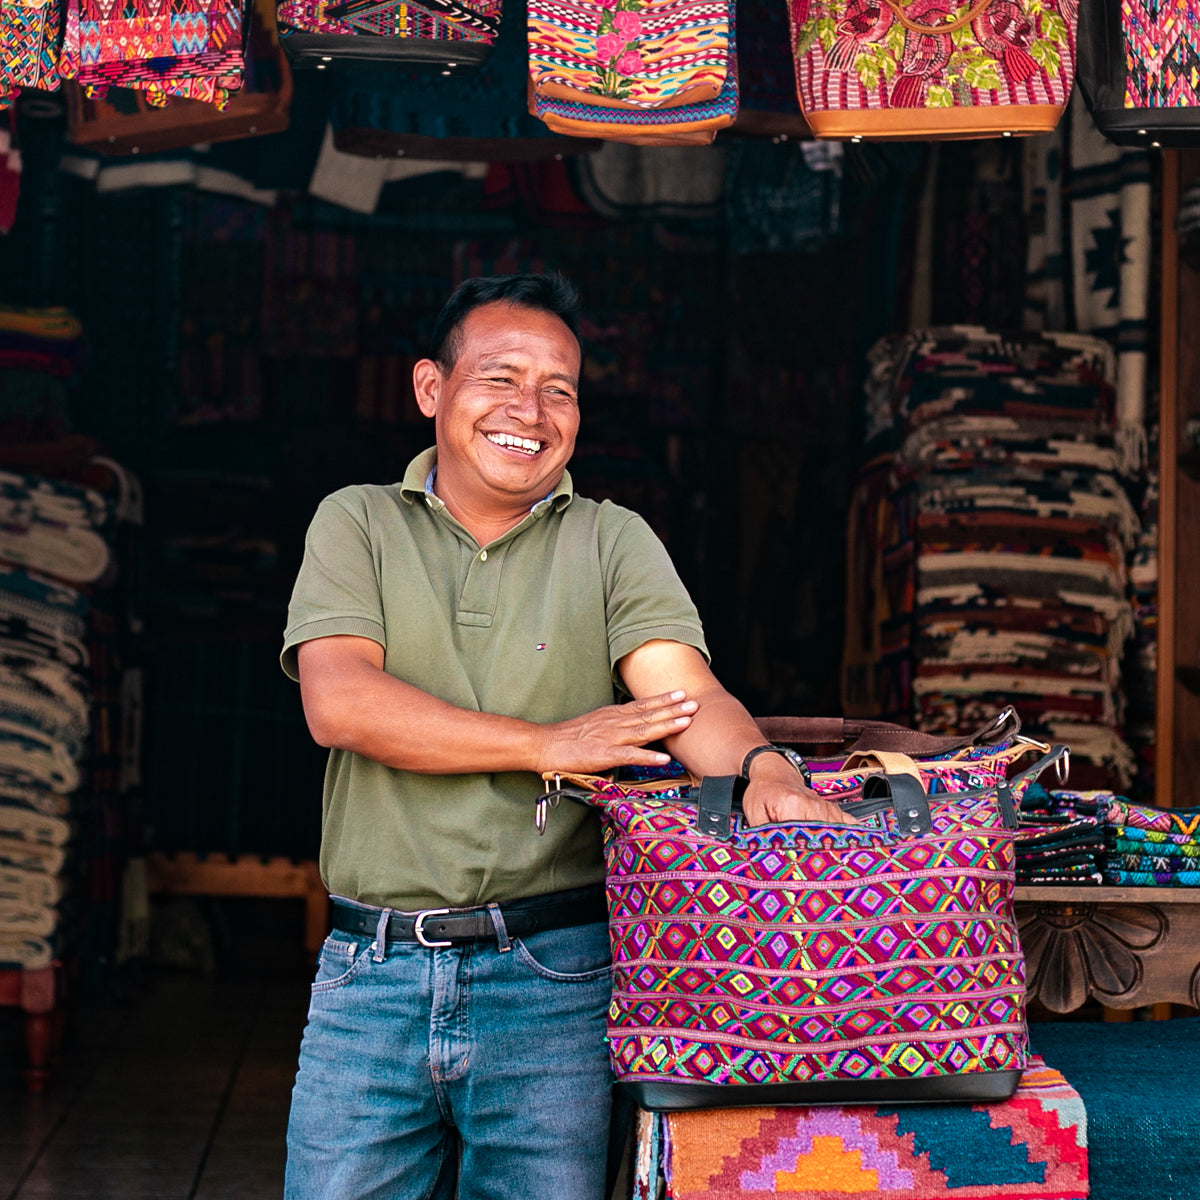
pixel 1139 71
pixel 909 69
pixel 805 963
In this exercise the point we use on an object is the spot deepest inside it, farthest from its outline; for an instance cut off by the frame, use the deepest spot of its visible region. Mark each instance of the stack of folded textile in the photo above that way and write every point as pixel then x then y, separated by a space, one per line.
pixel 652 72
pixel 1008 490
pixel 1149 846
pixel 44 723
pixel 1060 839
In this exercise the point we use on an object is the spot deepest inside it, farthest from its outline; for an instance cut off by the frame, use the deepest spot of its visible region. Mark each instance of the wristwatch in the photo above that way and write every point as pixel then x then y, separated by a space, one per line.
pixel 797 760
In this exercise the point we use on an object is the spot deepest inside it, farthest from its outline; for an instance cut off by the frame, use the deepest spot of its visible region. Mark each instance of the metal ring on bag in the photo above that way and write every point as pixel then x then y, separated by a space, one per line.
pixel 1062 766
pixel 1044 747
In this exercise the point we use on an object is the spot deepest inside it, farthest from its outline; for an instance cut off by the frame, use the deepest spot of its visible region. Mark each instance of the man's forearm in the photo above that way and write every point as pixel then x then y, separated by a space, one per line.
pixel 372 713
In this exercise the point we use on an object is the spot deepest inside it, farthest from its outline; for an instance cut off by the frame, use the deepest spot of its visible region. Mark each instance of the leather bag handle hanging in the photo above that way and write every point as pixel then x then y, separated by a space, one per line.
pixel 937 30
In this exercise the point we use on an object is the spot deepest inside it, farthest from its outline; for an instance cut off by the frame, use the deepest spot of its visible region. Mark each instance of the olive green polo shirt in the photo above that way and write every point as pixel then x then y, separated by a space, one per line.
pixel 530 626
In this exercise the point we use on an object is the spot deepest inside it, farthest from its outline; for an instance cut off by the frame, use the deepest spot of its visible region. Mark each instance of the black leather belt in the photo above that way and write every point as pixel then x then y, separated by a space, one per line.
pixel 435 927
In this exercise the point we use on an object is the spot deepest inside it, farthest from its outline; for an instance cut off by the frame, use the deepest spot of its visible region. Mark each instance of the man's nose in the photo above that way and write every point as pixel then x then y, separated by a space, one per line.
pixel 526 404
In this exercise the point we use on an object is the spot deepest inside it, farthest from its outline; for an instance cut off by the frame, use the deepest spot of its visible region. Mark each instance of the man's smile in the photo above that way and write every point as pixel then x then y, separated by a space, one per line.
pixel 510 441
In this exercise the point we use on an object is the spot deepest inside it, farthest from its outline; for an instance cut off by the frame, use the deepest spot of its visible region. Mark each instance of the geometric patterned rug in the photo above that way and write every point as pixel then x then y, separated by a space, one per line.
pixel 1031 1147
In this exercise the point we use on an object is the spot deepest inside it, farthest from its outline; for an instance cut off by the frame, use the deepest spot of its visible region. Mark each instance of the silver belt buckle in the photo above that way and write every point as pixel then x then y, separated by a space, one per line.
pixel 419 927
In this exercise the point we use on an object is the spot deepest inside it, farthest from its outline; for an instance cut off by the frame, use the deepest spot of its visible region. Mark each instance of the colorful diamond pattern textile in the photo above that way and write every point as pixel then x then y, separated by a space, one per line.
pixel 186 48
pixel 29 35
pixel 434 21
pixel 1162 54
pixel 1031 1147
pixel 803 952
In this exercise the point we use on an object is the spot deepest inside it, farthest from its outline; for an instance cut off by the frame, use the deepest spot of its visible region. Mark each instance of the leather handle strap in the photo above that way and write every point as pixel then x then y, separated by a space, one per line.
pixel 888 760
pixel 935 30
pixel 884 735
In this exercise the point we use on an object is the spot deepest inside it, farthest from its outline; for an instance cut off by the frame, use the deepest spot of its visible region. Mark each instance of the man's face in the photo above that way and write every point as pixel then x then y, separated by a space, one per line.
pixel 507 413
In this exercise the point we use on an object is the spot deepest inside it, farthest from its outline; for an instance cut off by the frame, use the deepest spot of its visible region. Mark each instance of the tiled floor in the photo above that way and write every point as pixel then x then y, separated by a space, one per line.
pixel 174 1086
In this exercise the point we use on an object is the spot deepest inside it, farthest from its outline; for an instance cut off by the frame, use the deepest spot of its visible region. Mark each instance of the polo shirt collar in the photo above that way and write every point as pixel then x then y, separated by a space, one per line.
pixel 421 472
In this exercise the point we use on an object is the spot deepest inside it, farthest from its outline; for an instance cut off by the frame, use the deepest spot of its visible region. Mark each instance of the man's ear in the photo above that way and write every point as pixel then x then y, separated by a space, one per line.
pixel 427 385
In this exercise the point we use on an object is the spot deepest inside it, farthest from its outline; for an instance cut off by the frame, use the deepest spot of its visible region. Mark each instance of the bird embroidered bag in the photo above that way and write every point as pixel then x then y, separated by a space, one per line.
pixel 811 963
pixel 1139 71
pixel 918 69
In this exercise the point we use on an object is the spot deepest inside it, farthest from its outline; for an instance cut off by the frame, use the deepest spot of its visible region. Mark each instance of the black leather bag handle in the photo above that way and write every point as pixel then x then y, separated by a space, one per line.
pixel 719 796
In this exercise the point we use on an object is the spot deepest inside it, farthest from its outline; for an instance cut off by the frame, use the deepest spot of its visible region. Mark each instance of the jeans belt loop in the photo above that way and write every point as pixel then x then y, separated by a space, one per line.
pixel 381 936
pixel 502 938
pixel 419 927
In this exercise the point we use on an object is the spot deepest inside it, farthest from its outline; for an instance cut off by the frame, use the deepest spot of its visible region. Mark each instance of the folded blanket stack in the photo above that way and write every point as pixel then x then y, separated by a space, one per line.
pixel 1061 838
pixel 1005 572
pixel 1139 845
pixel 1151 847
pixel 63 508
pixel 1033 1146
pixel 44 731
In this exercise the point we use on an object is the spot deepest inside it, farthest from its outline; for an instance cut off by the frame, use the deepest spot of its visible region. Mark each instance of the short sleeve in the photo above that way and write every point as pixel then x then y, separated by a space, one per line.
pixel 644 596
pixel 337 590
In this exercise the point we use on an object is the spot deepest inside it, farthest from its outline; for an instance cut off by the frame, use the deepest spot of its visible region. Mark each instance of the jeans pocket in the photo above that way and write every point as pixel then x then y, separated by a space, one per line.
pixel 339 962
pixel 579 954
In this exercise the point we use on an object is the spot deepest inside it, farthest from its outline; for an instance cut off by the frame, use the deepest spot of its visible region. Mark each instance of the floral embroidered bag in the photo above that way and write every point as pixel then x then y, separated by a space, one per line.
pixel 629 53
pixel 1139 71
pixel 689 115
pixel 918 69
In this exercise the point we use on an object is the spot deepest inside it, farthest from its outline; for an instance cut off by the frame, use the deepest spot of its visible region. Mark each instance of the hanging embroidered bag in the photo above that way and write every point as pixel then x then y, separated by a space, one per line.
pixel 918 69
pixel 1139 71
pixel 683 124
pixel 442 36
pixel 629 54
pixel 808 963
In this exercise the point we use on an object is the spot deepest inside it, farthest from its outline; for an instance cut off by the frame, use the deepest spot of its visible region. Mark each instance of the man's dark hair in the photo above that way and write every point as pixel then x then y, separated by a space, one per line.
pixel 552 294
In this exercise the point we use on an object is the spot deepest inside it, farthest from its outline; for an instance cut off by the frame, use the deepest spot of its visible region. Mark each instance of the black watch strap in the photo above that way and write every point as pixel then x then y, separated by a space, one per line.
pixel 797 760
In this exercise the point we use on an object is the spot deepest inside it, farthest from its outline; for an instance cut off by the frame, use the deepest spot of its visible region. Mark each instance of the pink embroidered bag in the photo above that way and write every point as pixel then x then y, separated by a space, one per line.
pixel 807 963
pixel 918 69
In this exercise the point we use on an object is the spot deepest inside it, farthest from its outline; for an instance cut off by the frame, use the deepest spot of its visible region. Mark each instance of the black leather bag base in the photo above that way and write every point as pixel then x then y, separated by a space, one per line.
pixel 413 55
pixel 1101 72
pixel 985 1087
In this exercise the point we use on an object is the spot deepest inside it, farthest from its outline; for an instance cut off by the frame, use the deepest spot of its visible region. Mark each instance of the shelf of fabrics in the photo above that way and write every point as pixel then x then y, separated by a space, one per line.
pixel 990 542
pixel 66 704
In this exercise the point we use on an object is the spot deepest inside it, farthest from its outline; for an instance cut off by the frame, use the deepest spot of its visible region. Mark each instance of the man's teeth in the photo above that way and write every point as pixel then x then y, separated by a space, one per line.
pixel 516 443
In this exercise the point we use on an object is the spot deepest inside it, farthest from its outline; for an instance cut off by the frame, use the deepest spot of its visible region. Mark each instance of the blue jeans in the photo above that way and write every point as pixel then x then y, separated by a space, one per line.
pixel 480 1066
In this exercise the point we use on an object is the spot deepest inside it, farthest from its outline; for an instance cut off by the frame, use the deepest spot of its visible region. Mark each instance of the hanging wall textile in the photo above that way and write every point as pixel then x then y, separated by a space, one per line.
pixel 163 47
pixel 1031 1147
pixel 1139 70
pixel 682 124
pixel 439 35
pixel 629 53
pixel 932 68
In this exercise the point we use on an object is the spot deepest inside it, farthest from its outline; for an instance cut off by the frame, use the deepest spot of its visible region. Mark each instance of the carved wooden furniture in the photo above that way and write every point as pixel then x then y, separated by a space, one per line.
pixel 1124 947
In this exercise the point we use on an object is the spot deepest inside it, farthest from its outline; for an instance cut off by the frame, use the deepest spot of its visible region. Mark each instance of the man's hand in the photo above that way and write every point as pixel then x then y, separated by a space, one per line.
pixel 767 802
pixel 777 793
pixel 615 735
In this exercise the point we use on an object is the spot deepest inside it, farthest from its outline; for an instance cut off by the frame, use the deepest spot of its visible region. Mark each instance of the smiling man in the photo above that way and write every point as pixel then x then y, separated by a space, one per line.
pixel 454 635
